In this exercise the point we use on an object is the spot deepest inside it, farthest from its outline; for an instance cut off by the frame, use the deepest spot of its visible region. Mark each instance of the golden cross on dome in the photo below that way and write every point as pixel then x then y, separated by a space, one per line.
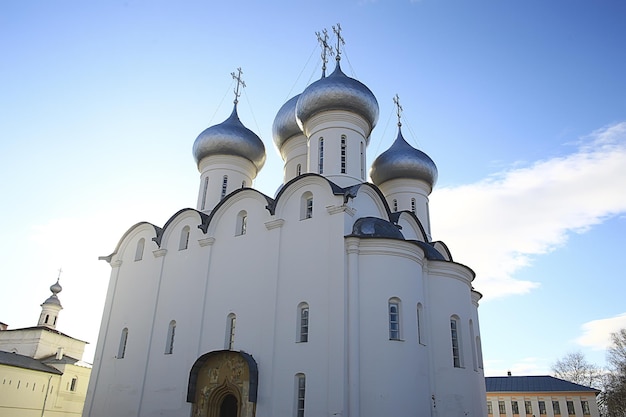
pixel 323 40
pixel 340 40
pixel 240 83
pixel 396 101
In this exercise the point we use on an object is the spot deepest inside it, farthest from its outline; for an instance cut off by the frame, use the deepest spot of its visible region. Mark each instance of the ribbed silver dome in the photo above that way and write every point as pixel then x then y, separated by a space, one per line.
pixel 337 92
pixel 285 124
pixel 402 160
pixel 56 288
pixel 230 137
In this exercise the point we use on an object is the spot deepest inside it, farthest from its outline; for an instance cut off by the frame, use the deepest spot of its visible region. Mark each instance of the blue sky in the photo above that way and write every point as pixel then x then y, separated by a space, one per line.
pixel 522 106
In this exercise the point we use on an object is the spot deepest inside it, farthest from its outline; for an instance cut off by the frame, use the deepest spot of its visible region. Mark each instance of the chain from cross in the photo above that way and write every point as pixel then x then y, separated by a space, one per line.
pixel 396 101
pixel 326 49
pixel 340 40
pixel 240 82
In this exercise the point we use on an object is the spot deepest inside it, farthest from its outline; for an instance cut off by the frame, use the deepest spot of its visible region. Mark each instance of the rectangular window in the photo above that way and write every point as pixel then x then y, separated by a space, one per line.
pixel 529 407
pixel 204 190
pixel 556 407
pixel 224 186
pixel 343 154
pixel 489 407
pixel 570 408
pixel 121 351
pixel 454 333
pixel 231 331
pixel 420 325
pixel 542 407
pixel 309 208
pixel 304 324
pixel 73 384
pixel 585 406
pixel 515 407
pixel 321 156
pixel 501 407
pixel 394 320
pixel 300 393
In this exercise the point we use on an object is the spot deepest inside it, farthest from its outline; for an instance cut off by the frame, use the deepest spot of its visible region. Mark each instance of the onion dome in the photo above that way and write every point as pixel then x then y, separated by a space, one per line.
pixel 337 92
pixel 230 137
pixel 285 124
pixel 53 299
pixel 402 160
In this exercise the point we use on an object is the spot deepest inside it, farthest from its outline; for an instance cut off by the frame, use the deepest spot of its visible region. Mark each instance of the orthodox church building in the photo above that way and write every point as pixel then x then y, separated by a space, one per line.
pixel 41 369
pixel 328 299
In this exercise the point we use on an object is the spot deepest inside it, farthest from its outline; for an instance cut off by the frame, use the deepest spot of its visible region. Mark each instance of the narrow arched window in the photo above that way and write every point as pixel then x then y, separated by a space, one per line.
pixel 205 188
pixel 420 324
pixel 455 334
pixel 303 322
pixel 231 323
pixel 169 342
pixel 343 154
pixel 47 318
pixel 413 205
pixel 472 338
pixel 243 184
pixel 121 351
pixel 184 238
pixel 300 394
pixel 224 186
pixel 395 205
pixel 394 319
pixel 242 223
pixel 298 170
pixel 73 384
pixel 139 250
pixel 321 156
pixel 479 352
pixel 306 206
pixel 362 162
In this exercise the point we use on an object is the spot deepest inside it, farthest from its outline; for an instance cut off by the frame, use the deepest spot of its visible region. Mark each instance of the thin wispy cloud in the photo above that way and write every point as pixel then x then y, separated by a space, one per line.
pixel 597 333
pixel 498 225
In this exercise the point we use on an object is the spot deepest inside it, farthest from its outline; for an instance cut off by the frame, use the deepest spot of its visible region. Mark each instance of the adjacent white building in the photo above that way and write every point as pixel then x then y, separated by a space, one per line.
pixel 327 299
pixel 41 369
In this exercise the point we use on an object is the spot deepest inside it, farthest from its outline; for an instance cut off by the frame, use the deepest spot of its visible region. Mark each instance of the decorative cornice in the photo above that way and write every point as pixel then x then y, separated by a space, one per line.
pixel 341 209
pixel 159 252
pixel 116 264
pixel 208 241
pixel 273 224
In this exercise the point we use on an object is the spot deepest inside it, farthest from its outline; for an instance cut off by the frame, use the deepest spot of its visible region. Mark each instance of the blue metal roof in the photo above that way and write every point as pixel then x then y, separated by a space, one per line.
pixel 542 383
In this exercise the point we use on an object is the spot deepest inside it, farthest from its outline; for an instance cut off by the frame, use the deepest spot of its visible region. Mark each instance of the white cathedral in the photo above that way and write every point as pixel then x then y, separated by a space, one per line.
pixel 328 299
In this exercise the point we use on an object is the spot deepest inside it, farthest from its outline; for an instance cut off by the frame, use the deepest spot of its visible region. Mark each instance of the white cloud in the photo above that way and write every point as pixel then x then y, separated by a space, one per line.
pixel 597 333
pixel 523 366
pixel 498 225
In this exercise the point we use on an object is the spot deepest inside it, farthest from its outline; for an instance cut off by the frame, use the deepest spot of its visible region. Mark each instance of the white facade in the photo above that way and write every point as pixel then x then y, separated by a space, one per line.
pixel 311 303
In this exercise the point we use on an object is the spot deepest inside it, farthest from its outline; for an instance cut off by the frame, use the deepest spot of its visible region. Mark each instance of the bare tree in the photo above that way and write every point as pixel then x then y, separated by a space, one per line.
pixel 575 368
pixel 614 397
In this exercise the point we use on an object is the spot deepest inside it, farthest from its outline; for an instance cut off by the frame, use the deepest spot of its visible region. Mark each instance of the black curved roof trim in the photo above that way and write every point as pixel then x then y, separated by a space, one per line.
pixel 337 190
pixel 161 232
pixel 253 370
pixel 396 218
pixel 117 247
pixel 445 247
pixel 205 224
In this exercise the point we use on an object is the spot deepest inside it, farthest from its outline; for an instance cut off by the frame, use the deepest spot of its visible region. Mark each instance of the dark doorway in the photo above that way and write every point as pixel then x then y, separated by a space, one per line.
pixel 229 406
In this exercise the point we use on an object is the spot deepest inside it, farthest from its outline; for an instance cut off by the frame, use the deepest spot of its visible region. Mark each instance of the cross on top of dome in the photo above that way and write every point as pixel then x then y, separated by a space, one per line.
pixel 240 83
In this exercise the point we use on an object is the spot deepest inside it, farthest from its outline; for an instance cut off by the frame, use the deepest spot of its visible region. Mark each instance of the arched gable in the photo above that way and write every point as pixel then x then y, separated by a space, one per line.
pixel 255 202
pixel 411 227
pixel 170 233
pixel 294 189
pixel 370 202
pixel 443 249
pixel 129 236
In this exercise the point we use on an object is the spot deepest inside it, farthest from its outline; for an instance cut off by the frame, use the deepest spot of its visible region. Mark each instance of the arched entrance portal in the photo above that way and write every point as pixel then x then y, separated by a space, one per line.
pixel 229 406
pixel 223 384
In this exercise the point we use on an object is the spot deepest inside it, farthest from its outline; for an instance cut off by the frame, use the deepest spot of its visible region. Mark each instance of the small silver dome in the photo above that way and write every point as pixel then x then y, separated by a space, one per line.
pixel 285 124
pixel 230 137
pixel 56 288
pixel 337 92
pixel 53 299
pixel 402 160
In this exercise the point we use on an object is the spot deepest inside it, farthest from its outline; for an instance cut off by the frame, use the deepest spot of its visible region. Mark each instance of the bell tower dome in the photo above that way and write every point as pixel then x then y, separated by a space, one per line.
pixel 51 307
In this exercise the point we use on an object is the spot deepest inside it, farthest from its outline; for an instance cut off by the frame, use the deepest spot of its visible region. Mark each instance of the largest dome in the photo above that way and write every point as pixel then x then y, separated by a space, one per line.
pixel 337 92
pixel 285 124
pixel 230 137
pixel 402 160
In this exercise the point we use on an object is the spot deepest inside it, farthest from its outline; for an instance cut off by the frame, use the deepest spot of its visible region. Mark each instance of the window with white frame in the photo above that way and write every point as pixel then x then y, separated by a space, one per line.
pixel 205 188
pixel 456 344
pixel 420 324
pixel 303 322
pixel 542 407
pixel 394 319
pixel 230 333
pixel 306 206
pixel 184 238
pixel 585 405
pixel 515 407
pixel 556 408
pixel 474 353
pixel 169 342
pixel 479 352
pixel 300 394
pixel 395 205
pixel 528 407
pixel 224 186
pixel 139 249
pixel 321 156
pixel 413 205
pixel 501 407
pixel 242 223
pixel 489 407
pixel 343 153
pixel 298 170
pixel 121 351
pixel 570 408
